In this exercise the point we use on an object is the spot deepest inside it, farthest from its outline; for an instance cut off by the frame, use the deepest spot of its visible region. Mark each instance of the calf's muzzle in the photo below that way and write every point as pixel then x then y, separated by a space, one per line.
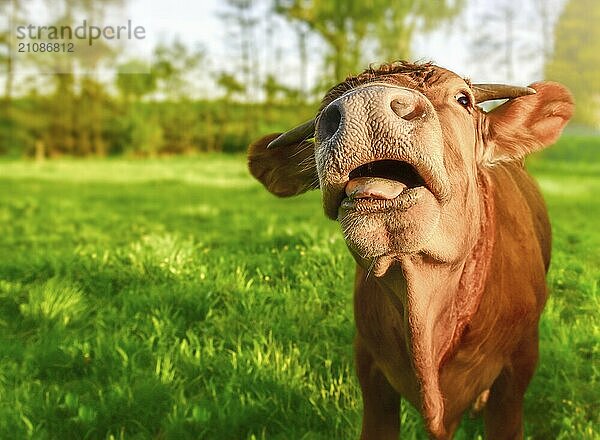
pixel 375 104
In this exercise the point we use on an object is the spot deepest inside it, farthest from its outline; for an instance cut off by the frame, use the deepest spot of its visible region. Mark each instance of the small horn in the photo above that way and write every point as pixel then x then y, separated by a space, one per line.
pixel 299 133
pixel 487 92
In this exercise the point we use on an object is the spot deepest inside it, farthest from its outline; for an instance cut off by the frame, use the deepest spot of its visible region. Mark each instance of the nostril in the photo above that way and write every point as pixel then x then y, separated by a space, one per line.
pixel 329 122
pixel 408 111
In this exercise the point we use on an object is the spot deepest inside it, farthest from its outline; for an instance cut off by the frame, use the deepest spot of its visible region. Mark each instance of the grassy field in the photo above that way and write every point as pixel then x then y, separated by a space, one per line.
pixel 177 299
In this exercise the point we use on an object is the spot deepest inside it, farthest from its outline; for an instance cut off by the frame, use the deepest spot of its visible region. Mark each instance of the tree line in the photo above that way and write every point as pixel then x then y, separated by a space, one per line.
pixel 186 103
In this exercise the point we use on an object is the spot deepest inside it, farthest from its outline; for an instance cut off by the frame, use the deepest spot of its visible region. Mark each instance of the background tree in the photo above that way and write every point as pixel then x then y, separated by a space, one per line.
pixel 400 20
pixel 232 88
pixel 497 40
pixel 576 59
pixel 175 68
pixel 175 65
pixel 11 12
pixel 302 36
pixel 512 36
pixel 77 132
pixel 241 22
pixel 134 86
pixel 139 127
pixel 340 23
pixel 346 25
pixel 547 12
pixel 12 132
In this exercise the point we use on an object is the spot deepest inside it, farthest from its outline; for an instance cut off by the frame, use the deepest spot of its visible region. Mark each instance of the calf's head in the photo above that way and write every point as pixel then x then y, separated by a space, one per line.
pixel 398 153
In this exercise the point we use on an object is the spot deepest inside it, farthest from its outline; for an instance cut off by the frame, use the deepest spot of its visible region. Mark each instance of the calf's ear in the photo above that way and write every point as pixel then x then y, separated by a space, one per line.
pixel 526 124
pixel 285 170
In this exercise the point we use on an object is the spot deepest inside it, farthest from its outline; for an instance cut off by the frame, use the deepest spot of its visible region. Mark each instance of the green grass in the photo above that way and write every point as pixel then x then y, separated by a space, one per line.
pixel 177 299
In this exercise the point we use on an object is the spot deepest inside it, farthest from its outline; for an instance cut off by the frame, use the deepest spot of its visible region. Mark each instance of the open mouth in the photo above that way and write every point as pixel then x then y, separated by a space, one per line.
pixel 383 185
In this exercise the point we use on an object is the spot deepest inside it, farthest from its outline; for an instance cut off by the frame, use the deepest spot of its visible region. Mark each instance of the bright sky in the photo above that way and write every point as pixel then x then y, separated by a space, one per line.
pixel 192 21
pixel 199 22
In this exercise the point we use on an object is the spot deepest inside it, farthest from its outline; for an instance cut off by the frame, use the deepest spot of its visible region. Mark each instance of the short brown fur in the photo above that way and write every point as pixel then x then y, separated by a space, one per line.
pixel 474 339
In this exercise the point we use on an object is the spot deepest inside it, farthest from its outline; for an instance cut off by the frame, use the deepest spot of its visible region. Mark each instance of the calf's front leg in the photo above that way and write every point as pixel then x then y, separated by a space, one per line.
pixel 504 410
pixel 381 403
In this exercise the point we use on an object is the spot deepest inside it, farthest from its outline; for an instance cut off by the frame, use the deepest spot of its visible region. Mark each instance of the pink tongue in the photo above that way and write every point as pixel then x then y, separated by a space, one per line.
pixel 374 188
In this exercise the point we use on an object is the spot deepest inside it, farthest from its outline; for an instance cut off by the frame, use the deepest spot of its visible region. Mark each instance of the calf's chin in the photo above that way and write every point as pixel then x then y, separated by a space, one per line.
pixel 393 232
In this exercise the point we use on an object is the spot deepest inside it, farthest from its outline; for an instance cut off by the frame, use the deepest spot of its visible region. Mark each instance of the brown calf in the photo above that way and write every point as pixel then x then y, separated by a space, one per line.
pixel 450 235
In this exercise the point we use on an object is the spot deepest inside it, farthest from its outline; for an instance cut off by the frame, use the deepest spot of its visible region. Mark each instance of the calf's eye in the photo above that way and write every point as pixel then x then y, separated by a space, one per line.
pixel 463 100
